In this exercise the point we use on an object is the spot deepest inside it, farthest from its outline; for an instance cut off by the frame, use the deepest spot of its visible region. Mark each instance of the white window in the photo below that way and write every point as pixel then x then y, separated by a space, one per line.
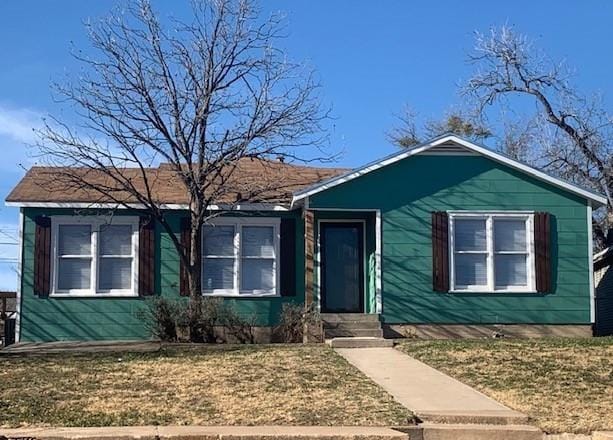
pixel 240 257
pixel 491 252
pixel 94 256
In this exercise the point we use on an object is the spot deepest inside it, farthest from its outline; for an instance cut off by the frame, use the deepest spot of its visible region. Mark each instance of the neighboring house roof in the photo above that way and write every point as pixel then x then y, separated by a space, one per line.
pixel 450 144
pixel 603 258
pixel 253 181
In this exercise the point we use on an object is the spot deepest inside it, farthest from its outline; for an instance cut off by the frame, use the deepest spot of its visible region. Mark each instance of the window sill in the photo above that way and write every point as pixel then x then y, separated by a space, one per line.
pixel 493 292
pixel 241 295
pixel 93 295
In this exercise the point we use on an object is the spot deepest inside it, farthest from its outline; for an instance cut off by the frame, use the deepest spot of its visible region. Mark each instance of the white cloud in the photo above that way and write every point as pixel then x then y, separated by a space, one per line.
pixel 19 124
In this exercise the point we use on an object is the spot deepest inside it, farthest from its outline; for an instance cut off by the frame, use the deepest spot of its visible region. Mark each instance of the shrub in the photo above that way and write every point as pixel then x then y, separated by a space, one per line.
pixel 200 315
pixel 295 318
pixel 241 329
pixel 199 319
pixel 160 316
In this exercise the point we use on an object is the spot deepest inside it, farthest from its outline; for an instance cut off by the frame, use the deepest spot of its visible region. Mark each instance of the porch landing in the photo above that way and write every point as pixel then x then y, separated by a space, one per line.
pixel 433 396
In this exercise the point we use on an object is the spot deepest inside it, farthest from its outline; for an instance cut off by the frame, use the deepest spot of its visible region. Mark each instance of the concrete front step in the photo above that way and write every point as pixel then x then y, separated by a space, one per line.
pixel 359 342
pixel 208 433
pixel 355 317
pixel 358 332
pixel 352 325
pixel 487 417
pixel 436 431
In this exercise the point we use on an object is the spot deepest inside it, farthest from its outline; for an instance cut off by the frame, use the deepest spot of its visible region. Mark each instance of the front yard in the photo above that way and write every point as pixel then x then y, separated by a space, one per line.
pixel 566 385
pixel 226 385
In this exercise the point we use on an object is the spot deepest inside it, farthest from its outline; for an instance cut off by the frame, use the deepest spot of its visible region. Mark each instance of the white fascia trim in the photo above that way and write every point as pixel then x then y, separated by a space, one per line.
pixel 19 279
pixel 169 206
pixel 590 263
pixel 421 148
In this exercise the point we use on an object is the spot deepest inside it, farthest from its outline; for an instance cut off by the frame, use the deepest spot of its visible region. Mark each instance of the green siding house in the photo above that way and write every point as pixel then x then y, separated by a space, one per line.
pixel 444 239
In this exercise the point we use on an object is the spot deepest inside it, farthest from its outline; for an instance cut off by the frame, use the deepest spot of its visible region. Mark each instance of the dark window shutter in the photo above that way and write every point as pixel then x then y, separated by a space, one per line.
pixel 186 243
pixel 440 251
pixel 288 257
pixel 146 257
pixel 42 256
pixel 542 251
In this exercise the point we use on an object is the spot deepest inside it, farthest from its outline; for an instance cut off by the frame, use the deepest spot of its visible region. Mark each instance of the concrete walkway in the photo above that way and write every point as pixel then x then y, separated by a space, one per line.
pixel 430 394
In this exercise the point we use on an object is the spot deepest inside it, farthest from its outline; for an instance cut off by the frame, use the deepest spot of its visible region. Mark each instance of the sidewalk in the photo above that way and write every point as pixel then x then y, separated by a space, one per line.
pixel 207 433
pixel 430 394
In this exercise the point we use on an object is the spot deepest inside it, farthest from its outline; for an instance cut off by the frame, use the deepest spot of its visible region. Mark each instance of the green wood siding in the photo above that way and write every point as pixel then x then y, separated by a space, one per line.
pixel 51 319
pixel 408 191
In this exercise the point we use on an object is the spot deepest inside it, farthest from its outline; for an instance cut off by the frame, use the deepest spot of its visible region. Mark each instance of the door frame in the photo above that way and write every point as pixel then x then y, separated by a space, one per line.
pixel 320 262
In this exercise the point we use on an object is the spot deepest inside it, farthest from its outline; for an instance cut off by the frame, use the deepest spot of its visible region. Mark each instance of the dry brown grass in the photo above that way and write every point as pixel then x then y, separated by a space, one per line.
pixel 245 385
pixel 566 385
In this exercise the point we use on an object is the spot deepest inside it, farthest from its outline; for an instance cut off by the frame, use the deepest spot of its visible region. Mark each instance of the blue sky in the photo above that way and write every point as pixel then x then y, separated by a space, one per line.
pixel 372 57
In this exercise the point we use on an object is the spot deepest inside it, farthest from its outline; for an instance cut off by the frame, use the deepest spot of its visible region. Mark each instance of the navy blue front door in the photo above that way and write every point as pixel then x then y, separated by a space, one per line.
pixel 342 267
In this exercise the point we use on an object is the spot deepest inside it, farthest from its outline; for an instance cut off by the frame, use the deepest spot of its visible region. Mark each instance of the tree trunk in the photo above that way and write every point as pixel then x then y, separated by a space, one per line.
pixel 195 258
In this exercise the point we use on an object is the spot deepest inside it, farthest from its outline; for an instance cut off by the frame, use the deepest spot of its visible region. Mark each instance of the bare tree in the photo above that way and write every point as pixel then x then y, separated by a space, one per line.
pixel 574 133
pixel 198 96
pixel 406 134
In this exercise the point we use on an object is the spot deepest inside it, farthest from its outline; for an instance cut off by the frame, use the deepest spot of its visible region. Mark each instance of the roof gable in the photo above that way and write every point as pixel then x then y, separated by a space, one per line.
pixel 450 144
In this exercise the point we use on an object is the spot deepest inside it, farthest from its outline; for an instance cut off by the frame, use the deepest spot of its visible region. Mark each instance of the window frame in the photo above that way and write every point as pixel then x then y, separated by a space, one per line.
pixel 239 223
pixel 490 217
pixel 96 222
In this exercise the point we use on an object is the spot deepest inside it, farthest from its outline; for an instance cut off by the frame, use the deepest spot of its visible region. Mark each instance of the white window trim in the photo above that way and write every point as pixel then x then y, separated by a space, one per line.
pixel 95 222
pixel 489 216
pixel 239 223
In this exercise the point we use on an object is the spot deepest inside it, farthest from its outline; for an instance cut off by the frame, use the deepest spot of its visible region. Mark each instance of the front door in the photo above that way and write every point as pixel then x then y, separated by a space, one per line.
pixel 342 267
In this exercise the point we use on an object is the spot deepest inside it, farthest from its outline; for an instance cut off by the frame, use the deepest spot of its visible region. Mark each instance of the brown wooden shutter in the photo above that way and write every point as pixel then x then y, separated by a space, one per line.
pixel 186 243
pixel 42 256
pixel 146 257
pixel 542 251
pixel 288 257
pixel 440 251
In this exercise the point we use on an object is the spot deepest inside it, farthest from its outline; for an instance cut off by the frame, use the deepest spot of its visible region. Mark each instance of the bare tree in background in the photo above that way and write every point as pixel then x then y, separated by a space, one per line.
pixel 573 135
pixel 197 95
pixel 407 134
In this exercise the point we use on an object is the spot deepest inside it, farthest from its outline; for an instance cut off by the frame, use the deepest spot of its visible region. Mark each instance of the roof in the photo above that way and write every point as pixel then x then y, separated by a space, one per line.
pixel 253 181
pixel 453 144
pixel 603 258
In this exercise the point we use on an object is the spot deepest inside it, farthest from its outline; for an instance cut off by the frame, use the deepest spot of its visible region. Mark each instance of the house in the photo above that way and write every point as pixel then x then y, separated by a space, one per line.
pixel 447 238
pixel 603 279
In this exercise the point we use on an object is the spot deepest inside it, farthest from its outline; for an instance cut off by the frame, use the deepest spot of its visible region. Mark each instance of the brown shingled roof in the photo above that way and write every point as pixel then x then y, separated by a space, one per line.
pixel 254 180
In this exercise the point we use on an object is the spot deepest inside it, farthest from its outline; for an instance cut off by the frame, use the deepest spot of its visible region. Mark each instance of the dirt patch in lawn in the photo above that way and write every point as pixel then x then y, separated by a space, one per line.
pixel 242 385
pixel 566 385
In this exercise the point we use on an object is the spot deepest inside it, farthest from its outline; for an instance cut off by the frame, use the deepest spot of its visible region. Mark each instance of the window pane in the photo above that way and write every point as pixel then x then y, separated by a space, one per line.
pixel 74 273
pixel 257 274
pixel 510 270
pixel 469 235
pixel 258 241
pixel 115 240
pixel 218 240
pixel 510 235
pixel 218 273
pixel 74 239
pixel 470 269
pixel 115 273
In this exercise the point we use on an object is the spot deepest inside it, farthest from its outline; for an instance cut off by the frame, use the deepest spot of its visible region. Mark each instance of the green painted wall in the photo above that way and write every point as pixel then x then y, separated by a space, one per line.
pixel 51 319
pixel 408 191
